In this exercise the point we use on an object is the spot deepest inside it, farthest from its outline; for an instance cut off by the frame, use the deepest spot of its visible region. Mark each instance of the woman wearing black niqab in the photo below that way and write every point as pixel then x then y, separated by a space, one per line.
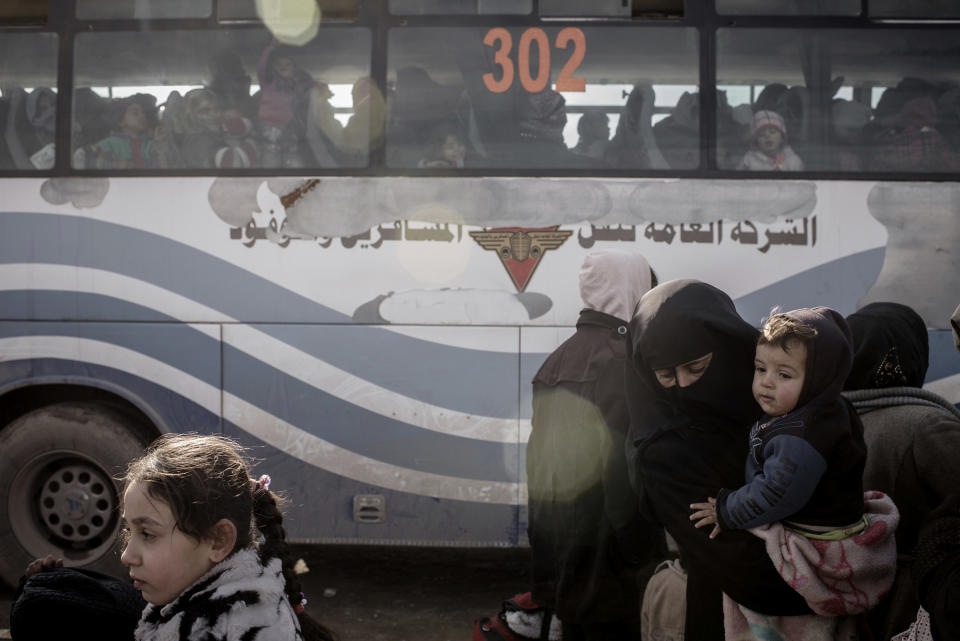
pixel 690 439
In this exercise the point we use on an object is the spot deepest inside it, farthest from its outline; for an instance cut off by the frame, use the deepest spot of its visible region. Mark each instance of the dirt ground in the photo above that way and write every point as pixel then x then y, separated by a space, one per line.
pixel 399 594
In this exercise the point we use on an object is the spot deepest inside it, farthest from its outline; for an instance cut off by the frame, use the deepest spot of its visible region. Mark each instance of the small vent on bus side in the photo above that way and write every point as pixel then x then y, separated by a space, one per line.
pixel 369 508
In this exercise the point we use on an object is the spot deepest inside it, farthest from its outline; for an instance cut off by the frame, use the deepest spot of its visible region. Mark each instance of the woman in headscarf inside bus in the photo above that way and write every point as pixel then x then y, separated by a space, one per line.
pixel 912 436
pixel 691 408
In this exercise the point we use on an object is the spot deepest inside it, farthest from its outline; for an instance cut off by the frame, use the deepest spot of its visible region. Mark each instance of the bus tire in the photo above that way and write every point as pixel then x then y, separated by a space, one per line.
pixel 60 470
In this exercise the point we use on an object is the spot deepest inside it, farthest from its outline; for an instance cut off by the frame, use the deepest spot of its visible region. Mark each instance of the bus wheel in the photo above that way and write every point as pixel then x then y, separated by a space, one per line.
pixel 59 487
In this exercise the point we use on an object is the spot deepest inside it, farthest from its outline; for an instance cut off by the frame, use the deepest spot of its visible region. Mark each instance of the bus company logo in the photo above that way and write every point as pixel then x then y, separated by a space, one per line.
pixel 520 249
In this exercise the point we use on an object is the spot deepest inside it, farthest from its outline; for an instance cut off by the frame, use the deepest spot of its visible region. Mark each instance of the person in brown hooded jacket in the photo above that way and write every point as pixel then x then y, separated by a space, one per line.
pixel 588 541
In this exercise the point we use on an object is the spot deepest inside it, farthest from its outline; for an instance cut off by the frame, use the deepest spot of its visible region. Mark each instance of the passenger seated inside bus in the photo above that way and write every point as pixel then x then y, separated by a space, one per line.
pixel 769 149
pixel 195 122
pixel 136 140
pixel 231 83
pixel 633 145
pixel 29 126
pixel 418 105
pixel 282 106
pixel 88 117
pixel 593 130
pixel 678 135
pixel 364 131
pixel 541 118
pixel 903 135
pixel 849 117
pixel 447 148
pixel 790 103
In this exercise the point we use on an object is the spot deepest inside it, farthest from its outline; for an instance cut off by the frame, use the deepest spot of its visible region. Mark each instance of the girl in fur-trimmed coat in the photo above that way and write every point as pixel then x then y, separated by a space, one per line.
pixel 189 503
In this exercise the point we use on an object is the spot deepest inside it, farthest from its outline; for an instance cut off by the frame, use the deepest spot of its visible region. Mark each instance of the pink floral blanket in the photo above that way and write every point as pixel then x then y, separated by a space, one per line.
pixel 844 577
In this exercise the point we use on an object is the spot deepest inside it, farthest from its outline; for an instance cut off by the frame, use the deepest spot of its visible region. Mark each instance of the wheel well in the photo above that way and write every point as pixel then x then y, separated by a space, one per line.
pixel 25 399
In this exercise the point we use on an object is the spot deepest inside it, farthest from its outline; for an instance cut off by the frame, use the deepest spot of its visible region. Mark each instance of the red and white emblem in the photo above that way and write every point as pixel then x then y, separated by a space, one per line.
pixel 520 249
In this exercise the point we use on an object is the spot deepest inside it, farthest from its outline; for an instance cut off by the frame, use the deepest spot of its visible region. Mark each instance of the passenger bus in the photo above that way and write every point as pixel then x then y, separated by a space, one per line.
pixel 346 233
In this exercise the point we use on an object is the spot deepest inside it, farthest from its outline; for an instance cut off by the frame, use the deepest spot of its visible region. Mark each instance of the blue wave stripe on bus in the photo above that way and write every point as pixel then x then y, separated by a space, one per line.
pixel 429 378
pixel 167 263
pixel 45 305
pixel 294 401
pixel 195 353
pixel 237 293
pixel 173 411
pixel 472 381
pixel 362 431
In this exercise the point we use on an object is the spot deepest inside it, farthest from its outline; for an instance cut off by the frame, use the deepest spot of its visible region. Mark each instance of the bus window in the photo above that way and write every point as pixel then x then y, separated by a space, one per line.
pixel 844 100
pixel 914 9
pixel 507 115
pixel 225 99
pixel 790 7
pixel 28 101
pixel 459 7
pixel 141 9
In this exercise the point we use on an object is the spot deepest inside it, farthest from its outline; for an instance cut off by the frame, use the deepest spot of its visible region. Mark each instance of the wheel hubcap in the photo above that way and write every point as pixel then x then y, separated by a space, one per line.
pixel 76 502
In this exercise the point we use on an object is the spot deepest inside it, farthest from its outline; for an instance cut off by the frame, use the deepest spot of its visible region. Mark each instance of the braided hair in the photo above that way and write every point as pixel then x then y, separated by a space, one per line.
pixel 203 479
pixel 269 520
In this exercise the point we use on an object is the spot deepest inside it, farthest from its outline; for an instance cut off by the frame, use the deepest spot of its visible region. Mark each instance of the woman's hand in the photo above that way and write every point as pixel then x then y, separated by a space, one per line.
pixel 706 514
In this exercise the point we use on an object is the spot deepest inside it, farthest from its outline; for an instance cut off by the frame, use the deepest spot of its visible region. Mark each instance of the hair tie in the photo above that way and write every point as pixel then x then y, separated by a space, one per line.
pixel 298 608
pixel 261 485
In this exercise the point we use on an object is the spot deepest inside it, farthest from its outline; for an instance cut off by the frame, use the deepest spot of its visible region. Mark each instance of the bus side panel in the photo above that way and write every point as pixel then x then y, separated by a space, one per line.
pixel 426 416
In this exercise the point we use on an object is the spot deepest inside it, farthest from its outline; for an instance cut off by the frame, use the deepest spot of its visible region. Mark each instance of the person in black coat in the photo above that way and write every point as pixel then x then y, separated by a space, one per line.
pixel 687 438
pixel 588 541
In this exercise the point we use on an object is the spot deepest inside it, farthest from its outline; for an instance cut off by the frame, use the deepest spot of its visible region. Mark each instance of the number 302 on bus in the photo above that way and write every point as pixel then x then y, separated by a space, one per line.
pixel 501 39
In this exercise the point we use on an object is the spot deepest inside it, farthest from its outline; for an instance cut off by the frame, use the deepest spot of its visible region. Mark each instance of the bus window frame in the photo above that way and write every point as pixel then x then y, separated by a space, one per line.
pixel 374 15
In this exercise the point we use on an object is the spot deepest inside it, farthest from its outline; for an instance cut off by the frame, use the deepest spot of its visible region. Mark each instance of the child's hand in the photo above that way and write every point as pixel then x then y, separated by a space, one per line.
pixel 705 515
pixel 40 565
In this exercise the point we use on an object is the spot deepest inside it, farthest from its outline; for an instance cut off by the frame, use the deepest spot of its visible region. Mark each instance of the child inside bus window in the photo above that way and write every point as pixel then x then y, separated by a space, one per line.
pixel 136 140
pixel 594 131
pixel 189 504
pixel 282 107
pixel 804 489
pixel 447 149
pixel 769 150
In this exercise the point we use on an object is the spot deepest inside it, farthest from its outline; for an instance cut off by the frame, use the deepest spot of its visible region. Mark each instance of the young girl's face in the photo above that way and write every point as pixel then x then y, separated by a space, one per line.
pixel 134 119
pixel 284 67
pixel 208 115
pixel 452 149
pixel 769 140
pixel 163 561
pixel 778 376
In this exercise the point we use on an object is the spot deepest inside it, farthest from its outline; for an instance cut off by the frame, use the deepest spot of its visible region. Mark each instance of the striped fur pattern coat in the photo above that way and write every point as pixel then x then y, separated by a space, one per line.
pixel 239 599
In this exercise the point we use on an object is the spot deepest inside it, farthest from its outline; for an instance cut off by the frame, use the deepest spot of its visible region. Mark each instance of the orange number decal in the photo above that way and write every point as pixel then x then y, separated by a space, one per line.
pixel 538 84
pixel 500 57
pixel 566 81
